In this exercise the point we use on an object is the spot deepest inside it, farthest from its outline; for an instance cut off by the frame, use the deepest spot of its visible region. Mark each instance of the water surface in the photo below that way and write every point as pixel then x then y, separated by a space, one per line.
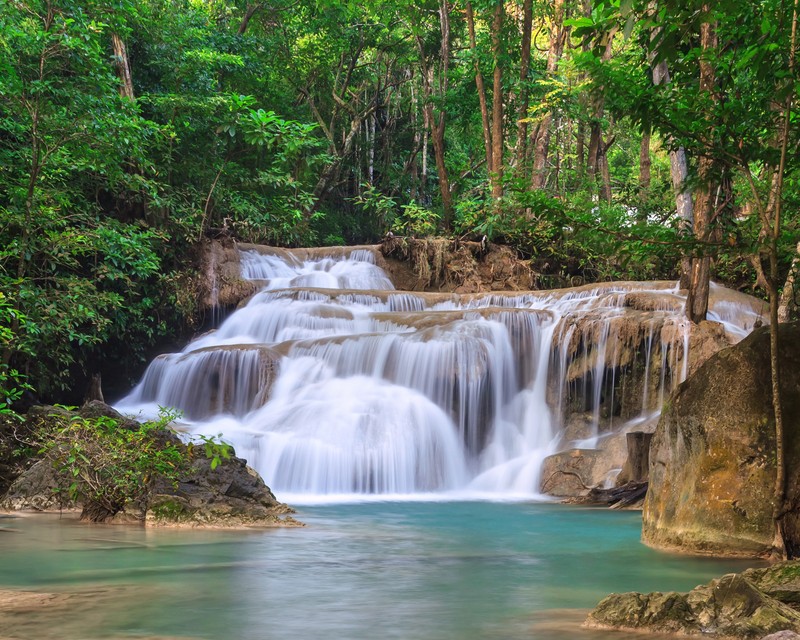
pixel 411 570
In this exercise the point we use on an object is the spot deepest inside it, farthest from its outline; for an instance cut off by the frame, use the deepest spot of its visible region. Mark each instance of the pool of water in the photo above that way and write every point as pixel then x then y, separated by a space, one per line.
pixel 410 570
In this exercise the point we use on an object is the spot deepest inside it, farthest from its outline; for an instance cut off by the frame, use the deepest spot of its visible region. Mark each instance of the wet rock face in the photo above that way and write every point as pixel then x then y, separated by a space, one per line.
pixel 712 466
pixel 220 284
pixel 753 604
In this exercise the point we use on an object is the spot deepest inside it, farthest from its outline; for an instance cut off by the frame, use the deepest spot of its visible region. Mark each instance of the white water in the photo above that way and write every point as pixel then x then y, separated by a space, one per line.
pixel 332 384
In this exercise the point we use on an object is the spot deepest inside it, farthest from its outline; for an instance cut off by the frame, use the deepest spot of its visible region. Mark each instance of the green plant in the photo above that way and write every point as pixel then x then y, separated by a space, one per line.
pixel 416 220
pixel 105 465
pixel 214 448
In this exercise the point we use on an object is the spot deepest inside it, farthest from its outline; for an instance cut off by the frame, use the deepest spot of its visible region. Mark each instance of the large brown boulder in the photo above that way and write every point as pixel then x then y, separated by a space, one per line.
pixel 712 459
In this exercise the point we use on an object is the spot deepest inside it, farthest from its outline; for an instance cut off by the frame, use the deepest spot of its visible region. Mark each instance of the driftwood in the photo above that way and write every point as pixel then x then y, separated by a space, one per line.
pixel 619 497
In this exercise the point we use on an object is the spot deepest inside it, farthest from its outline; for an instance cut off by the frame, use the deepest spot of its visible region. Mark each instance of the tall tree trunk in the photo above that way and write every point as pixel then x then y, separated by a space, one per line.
pixel 524 68
pixel 249 12
pixel 595 149
pixel 602 167
pixel 773 225
pixel 679 172
pixel 487 131
pixel 580 137
pixel 704 212
pixel 644 163
pixel 558 35
pixel 788 302
pixel 497 103
pixel 436 120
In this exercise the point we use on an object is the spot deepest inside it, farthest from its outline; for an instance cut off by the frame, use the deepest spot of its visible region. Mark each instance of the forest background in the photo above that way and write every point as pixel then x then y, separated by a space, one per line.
pixel 601 139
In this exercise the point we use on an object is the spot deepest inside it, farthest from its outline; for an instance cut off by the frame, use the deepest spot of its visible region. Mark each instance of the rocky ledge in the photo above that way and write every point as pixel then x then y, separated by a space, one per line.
pixel 225 493
pixel 753 604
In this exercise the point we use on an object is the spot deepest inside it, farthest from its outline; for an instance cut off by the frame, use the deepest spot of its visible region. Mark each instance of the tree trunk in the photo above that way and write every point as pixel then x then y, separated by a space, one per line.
pixel 637 465
pixel 644 163
pixel 436 121
pixel 497 104
pixel 558 35
pixel 123 67
pixel 248 14
pixel 602 167
pixel 524 68
pixel 598 103
pixel 788 301
pixel 679 172
pixel 773 226
pixel 487 131
pixel 704 213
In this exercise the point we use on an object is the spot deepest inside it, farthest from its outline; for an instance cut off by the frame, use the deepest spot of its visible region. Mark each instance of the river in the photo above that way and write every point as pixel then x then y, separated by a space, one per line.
pixel 412 570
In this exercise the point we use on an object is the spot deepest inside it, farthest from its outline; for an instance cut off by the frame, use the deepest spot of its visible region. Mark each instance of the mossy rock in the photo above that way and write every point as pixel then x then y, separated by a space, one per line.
pixel 732 606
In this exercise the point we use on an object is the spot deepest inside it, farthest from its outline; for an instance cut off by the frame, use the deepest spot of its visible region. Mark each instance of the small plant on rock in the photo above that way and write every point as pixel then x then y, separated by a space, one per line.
pixel 105 465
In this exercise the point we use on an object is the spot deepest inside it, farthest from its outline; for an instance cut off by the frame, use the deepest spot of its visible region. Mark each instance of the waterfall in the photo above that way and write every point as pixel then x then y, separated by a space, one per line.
pixel 332 384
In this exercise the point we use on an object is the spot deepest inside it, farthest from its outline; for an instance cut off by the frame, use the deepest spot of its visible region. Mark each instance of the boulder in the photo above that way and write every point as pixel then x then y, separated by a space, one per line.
pixel 573 472
pixel 732 606
pixel 712 469
pixel 230 495
pixel 37 489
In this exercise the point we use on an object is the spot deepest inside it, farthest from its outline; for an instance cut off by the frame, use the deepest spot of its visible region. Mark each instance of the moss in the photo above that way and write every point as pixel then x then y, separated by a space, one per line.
pixel 169 509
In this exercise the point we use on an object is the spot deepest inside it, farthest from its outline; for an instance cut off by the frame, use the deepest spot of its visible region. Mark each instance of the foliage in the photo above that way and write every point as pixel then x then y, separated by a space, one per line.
pixel 299 122
pixel 105 464
pixel 12 383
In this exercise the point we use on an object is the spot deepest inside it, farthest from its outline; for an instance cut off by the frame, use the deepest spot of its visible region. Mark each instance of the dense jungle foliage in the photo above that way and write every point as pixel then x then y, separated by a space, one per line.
pixel 602 139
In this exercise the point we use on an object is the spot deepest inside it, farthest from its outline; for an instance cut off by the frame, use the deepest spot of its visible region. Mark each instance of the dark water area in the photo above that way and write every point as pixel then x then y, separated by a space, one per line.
pixel 421 570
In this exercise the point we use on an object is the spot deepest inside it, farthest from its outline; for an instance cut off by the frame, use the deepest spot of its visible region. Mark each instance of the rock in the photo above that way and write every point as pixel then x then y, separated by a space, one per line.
pixel 220 284
pixel 232 494
pixel 782 635
pixel 573 472
pixel 732 606
pixel 660 612
pixel 96 409
pixel 712 465
pixel 780 580
pixel 37 489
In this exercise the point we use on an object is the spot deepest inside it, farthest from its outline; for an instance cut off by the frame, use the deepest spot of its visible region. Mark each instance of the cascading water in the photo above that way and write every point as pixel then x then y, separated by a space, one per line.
pixel 330 383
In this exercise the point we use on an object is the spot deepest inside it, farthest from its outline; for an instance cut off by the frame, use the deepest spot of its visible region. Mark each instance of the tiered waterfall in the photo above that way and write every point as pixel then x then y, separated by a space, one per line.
pixel 332 384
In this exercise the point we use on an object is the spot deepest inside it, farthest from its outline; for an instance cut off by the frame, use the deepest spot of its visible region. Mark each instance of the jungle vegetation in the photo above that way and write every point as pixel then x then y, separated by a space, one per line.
pixel 602 139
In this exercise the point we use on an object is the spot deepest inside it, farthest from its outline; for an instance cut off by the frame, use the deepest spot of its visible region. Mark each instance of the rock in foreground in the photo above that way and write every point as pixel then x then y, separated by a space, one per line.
pixel 753 604
pixel 231 495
